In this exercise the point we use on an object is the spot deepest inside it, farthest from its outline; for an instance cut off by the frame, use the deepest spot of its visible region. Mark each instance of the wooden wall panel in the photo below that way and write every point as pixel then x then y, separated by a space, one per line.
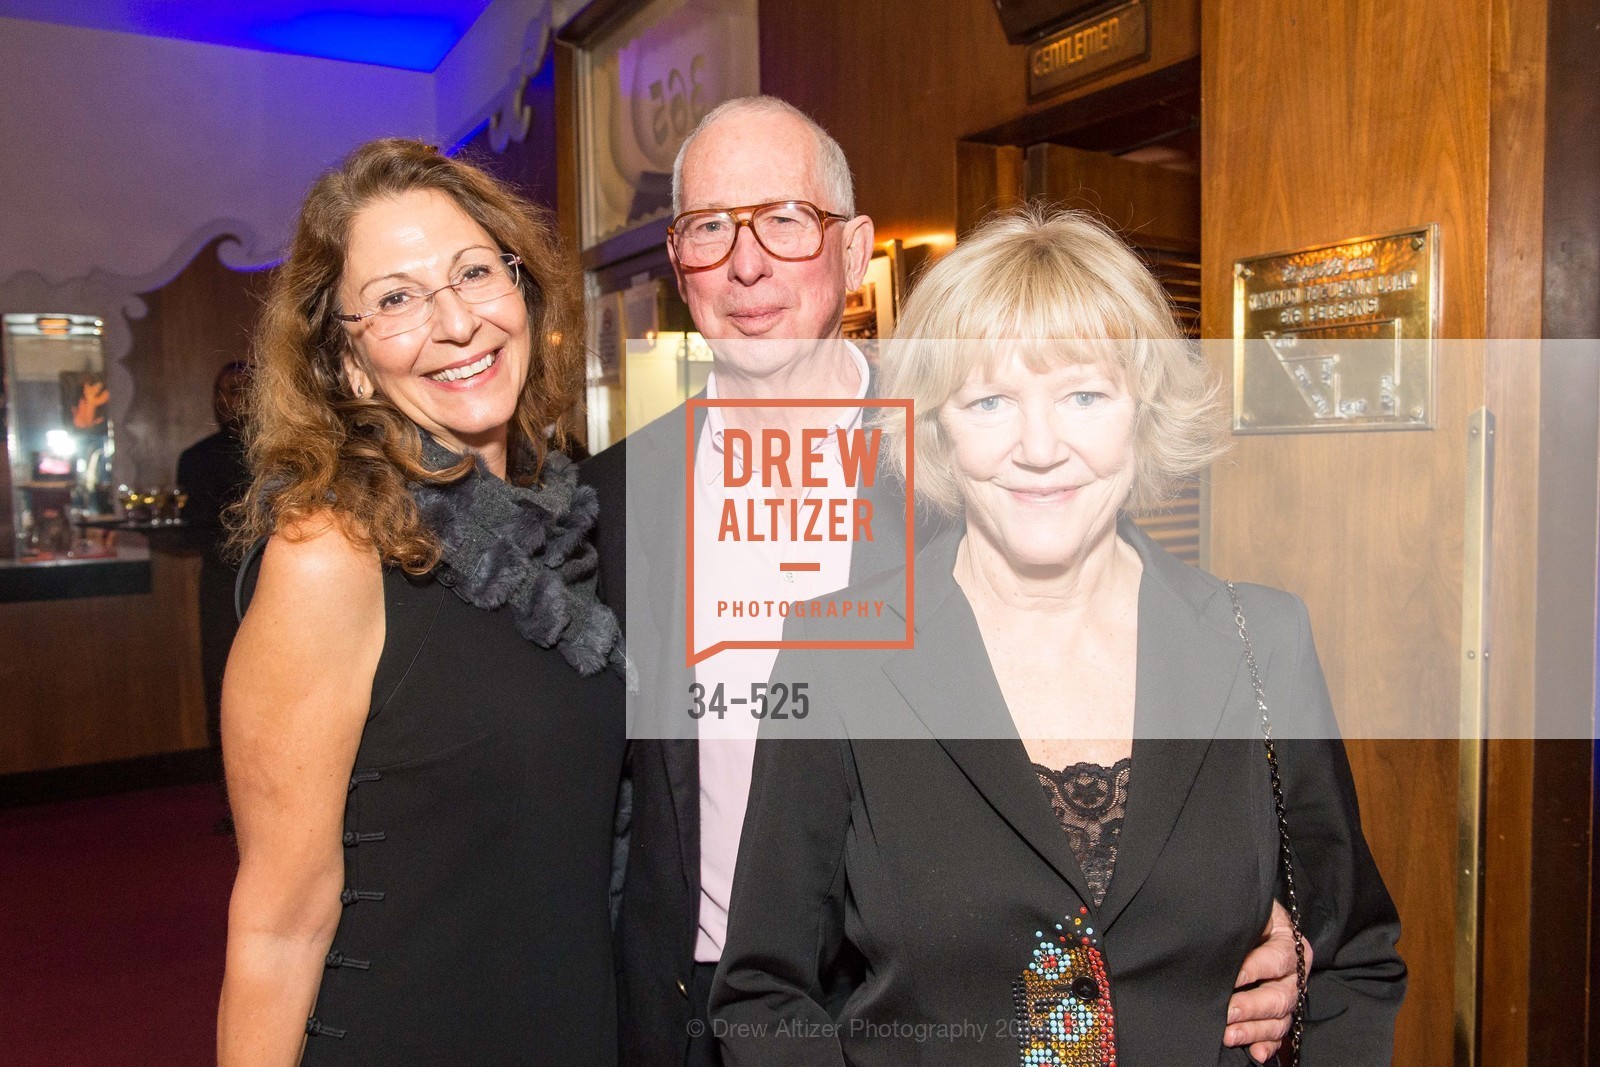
pixel 1150 206
pixel 1564 947
pixel 1326 121
pixel 8 529
pixel 197 323
pixel 1512 391
pixel 988 178
pixel 104 678
pixel 566 146
pixel 899 82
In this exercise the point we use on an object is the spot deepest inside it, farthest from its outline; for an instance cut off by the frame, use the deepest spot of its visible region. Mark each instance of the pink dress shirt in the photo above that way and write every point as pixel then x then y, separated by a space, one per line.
pixel 746 571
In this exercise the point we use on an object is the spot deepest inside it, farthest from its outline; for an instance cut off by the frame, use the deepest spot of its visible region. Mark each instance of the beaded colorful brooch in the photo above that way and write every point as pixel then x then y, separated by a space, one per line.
pixel 1063 1000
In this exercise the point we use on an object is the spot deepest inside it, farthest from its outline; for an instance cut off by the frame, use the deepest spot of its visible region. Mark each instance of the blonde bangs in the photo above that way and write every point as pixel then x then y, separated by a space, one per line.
pixel 1050 287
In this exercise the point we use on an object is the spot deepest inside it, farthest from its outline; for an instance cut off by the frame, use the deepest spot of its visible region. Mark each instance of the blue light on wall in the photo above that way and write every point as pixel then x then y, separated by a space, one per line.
pixel 415 42
pixel 407 34
pixel 467 138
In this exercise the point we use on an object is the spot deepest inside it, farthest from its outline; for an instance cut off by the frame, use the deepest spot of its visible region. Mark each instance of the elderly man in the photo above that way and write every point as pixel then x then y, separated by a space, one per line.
pixel 770 303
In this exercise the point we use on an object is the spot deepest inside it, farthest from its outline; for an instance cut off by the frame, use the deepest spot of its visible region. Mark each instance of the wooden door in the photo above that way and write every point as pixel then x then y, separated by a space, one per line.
pixel 1326 121
pixel 1368 529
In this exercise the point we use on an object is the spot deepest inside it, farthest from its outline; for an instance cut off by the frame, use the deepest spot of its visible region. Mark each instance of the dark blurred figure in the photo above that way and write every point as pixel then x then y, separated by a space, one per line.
pixel 212 471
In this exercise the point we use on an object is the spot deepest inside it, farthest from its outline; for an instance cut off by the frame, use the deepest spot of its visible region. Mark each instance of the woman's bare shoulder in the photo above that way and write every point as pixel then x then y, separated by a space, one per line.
pixel 318 553
pixel 314 630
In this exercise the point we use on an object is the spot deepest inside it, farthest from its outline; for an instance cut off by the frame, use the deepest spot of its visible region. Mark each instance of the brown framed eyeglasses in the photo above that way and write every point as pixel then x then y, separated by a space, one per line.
pixel 790 230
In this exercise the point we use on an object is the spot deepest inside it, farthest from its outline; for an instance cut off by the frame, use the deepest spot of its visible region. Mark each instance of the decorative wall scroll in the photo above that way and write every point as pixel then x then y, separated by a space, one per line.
pixel 484 78
pixel 509 117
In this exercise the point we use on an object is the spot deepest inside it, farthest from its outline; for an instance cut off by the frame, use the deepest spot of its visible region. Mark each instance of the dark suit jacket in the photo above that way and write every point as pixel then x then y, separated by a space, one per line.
pixel 640 536
pixel 938 857
pixel 214 474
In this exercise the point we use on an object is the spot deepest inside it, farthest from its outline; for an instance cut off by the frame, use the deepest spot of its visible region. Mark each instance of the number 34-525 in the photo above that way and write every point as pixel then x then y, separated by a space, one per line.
pixel 767 700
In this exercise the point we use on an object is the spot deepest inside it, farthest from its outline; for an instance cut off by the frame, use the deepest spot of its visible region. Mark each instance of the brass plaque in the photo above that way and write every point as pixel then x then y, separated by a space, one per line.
pixel 1092 46
pixel 1337 337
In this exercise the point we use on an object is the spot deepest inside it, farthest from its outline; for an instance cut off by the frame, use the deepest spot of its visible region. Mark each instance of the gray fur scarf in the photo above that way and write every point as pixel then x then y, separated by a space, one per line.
pixel 525 549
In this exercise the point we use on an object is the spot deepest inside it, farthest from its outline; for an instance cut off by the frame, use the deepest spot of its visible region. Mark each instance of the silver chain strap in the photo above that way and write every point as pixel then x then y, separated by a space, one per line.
pixel 1297 1023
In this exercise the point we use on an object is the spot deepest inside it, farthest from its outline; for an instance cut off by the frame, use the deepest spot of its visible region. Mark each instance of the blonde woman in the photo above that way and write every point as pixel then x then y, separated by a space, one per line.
pixel 1048 827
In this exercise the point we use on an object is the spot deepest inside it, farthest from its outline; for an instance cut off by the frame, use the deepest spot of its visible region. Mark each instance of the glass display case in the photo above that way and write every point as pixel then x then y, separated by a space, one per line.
pixel 59 446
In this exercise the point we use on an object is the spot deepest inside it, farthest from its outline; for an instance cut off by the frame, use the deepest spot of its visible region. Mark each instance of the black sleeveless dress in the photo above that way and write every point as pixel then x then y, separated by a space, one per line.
pixel 477 841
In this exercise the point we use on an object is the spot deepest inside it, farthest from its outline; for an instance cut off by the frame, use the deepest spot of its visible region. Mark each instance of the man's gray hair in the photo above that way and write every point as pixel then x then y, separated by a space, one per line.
pixel 833 170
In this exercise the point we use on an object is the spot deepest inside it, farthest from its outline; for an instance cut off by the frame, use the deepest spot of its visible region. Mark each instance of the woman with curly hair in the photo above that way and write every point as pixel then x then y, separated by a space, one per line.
pixel 422 715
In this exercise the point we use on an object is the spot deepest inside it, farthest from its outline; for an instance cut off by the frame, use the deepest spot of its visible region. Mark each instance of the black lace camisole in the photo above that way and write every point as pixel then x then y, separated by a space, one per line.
pixel 1089 801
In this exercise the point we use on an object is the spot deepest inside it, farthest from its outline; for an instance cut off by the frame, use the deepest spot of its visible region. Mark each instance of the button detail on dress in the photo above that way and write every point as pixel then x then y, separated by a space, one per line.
pixel 350 896
pixel 339 959
pixel 317 1028
pixel 1085 988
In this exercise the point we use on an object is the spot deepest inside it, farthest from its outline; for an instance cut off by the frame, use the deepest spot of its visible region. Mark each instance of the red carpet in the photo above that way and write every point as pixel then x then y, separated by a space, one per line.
pixel 113 914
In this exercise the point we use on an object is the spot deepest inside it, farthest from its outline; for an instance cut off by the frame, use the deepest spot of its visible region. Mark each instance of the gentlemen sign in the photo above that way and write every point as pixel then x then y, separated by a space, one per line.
pixel 1337 337
pixel 1087 48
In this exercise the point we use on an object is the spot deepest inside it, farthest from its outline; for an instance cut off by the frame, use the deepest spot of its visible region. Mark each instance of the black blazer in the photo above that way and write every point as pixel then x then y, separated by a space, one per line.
pixel 641 546
pixel 938 858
